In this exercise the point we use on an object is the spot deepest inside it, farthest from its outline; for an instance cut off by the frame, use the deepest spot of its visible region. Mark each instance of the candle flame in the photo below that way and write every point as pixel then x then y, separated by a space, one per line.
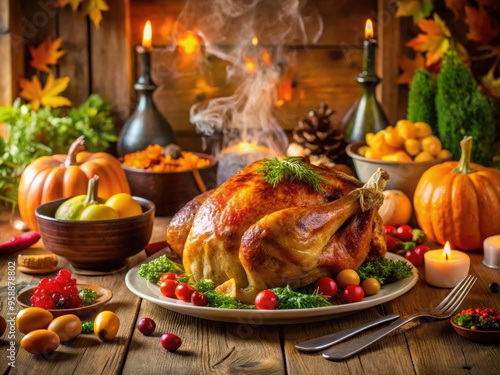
pixel 447 250
pixel 147 36
pixel 369 29
pixel 188 43
pixel 255 41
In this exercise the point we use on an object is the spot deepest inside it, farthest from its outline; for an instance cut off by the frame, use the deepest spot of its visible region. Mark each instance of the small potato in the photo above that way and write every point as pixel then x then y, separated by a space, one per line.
pixel 67 327
pixel 32 318
pixel 40 341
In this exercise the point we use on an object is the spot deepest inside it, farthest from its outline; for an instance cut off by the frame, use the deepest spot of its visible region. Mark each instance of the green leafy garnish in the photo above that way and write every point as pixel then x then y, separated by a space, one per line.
pixel 385 270
pixel 218 300
pixel 290 299
pixel 88 327
pixel 88 296
pixel 292 168
pixel 157 267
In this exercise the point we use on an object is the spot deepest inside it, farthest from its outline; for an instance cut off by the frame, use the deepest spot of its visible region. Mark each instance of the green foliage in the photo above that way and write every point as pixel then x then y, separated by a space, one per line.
pixel 152 271
pixel 45 132
pixel 88 296
pixel 385 270
pixel 462 110
pixel 421 99
pixel 290 299
pixel 88 327
pixel 291 168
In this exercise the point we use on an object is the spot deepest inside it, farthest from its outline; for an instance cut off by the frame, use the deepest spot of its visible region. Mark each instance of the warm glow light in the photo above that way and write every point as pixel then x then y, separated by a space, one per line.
pixel 266 57
pixel 188 43
pixel 147 36
pixel 287 90
pixel 250 65
pixel 447 251
pixel 255 41
pixel 369 29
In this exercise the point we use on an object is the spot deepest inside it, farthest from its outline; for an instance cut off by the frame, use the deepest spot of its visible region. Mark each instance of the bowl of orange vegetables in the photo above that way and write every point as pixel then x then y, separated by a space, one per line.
pixel 168 176
pixel 405 151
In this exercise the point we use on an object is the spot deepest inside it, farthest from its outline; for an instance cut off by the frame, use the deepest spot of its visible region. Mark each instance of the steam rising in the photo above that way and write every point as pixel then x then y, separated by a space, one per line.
pixel 226 28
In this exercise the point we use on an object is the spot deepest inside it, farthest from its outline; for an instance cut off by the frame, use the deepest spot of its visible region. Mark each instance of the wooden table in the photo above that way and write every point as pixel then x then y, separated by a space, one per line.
pixel 227 348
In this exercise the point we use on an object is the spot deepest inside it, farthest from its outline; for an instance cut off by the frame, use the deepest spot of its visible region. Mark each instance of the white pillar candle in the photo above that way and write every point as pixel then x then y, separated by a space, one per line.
pixel 445 268
pixel 491 247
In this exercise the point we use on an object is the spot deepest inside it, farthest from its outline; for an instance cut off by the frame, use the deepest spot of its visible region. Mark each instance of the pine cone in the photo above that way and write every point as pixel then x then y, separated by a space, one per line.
pixel 320 134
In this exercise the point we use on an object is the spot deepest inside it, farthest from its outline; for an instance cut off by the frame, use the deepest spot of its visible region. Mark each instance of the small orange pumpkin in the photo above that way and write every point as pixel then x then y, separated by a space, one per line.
pixel 459 202
pixel 59 176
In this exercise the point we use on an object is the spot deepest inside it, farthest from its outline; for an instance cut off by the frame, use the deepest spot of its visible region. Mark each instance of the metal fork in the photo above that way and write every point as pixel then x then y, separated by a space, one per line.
pixel 442 311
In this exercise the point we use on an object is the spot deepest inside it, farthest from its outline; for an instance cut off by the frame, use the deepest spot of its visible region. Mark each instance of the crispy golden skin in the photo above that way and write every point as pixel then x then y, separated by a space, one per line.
pixel 263 236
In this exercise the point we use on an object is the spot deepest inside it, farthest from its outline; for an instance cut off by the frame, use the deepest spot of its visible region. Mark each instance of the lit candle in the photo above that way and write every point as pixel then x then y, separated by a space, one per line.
pixel 445 268
pixel 147 36
pixel 369 46
pixel 491 247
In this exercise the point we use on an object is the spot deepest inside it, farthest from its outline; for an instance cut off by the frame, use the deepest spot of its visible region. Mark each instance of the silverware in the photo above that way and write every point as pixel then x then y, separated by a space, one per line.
pixel 324 342
pixel 444 310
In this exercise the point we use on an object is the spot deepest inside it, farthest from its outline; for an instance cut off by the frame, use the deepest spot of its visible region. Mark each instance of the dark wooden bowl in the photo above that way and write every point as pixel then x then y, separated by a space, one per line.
pixel 475 334
pixel 170 191
pixel 95 245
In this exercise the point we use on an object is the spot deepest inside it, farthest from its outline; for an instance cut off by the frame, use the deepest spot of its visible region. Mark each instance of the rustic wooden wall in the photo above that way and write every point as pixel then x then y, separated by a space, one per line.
pixel 104 61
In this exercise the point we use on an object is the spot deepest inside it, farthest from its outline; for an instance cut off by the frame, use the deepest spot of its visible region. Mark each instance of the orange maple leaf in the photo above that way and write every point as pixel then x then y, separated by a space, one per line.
pixel 417 9
pixel 435 41
pixel 74 4
pixel 48 96
pixel 46 54
pixel 409 66
pixel 480 26
pixel 94 10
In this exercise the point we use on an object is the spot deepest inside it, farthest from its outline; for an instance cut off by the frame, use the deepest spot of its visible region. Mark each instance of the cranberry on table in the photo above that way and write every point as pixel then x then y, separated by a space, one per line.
pixel 146 326
pixel 170 341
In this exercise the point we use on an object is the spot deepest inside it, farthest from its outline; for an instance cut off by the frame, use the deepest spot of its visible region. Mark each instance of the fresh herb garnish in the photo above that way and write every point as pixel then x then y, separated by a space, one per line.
pixel 290 299
pixel 385 270
pixel 218 300
pixel 88 327
pixel 88 296
pixel 292 168
pixel 157 267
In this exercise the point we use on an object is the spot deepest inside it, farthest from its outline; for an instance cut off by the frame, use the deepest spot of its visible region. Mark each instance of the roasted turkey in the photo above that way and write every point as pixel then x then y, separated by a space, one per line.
pixel 255 236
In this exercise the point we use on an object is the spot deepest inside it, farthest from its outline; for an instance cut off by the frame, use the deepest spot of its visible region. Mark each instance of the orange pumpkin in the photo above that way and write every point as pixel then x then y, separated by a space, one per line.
pixel 59 176
pixel 459 202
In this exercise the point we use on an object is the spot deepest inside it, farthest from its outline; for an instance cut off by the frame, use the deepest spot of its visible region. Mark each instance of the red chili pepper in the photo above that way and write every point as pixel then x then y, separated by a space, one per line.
pixel 154 247
pixel 19 243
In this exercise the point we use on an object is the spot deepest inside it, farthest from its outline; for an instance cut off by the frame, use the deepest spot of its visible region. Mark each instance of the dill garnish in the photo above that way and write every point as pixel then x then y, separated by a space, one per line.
pixel 292 168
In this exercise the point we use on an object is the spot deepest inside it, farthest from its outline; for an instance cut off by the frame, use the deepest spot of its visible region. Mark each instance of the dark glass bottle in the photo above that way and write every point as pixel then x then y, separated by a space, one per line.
pixel 146 125
pixel 366 115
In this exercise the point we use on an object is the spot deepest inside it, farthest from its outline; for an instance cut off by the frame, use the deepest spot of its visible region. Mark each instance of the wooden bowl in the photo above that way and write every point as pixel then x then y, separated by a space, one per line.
pixel 476 335
pixel 95 245
pixel 404 176
pixel 103 297
pixel 170 191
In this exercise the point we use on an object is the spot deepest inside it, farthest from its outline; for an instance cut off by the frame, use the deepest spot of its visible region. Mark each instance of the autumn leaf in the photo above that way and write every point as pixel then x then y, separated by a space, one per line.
pixel 480 26
pixel 456 6
pixel 48 96
pixel 409 66
pixel 491 83
pixel 418 9
pixel 94 9
pixel 74 4
pixel 435 41
pixel 47 53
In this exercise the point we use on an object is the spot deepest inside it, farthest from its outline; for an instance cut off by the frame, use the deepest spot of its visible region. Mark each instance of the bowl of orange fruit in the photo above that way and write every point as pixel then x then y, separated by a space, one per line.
pixel 405 150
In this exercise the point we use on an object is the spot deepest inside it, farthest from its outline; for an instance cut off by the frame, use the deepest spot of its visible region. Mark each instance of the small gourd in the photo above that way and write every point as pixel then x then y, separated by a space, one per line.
pixel 396 209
